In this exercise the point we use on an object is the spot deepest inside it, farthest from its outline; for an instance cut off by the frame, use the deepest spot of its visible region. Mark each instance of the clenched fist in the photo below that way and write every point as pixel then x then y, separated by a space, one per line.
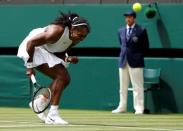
pixel 72 59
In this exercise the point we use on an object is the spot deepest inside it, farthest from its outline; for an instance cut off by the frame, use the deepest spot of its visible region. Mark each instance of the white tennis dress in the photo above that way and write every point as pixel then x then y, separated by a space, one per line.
pixel 44 54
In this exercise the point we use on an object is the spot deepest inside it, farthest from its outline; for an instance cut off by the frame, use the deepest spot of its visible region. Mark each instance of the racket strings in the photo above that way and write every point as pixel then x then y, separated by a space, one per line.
pixel 43 93
pixel 41 100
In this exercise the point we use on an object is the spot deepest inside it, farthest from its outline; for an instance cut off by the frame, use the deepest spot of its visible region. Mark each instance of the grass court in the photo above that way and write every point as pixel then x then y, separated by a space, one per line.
pixel 23 119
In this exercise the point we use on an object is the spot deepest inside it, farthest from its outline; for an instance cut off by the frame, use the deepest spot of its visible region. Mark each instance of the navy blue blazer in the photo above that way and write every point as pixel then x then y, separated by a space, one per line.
pixel 132 50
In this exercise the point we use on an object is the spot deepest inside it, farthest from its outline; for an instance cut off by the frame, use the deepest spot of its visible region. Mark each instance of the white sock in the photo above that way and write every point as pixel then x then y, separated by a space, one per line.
pixel 53 109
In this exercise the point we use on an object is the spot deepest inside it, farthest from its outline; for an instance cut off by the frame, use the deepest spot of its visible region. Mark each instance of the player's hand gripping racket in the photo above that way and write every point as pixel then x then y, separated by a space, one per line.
pixel 41 97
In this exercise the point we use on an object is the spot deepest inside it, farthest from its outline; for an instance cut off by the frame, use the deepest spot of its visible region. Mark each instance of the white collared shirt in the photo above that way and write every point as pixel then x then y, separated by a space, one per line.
pixel 127 27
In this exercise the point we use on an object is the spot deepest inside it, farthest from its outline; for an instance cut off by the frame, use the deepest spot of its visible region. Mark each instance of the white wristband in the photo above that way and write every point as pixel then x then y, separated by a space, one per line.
pixel 29 65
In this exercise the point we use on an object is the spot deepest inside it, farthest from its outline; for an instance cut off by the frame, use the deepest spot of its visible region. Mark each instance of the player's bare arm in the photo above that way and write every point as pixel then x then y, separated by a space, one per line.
pixel 51 34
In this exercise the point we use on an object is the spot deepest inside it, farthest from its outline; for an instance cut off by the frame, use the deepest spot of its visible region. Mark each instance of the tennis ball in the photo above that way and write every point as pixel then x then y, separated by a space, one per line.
pixel 137 7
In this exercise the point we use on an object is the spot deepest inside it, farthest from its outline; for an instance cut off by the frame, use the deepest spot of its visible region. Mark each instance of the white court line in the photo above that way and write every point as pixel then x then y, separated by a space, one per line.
pixel 21 122
pixel 7 121
pixel 119 127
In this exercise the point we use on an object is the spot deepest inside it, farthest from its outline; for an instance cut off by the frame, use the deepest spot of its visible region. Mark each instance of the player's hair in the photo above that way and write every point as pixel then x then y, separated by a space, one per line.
pixel 71 20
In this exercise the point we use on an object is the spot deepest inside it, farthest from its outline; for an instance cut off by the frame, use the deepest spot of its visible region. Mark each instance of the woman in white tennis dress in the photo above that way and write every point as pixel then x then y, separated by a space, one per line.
pixel 44 49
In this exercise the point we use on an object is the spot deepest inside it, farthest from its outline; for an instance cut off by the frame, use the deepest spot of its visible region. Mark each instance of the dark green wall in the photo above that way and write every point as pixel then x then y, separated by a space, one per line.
pixel 94 84
pixel 14 86
pixel 18 20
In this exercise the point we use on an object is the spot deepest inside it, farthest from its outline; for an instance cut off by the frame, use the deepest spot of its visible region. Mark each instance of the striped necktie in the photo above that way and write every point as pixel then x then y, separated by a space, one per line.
pixel 129 33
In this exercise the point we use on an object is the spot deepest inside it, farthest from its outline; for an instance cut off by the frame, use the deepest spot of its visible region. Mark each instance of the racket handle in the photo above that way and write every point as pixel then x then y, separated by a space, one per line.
pixel 66 55
pixel 33 79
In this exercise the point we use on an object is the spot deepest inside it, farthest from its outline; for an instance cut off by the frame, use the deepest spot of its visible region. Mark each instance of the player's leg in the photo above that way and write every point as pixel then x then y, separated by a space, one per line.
pixel 123 92
pixel 61 79
pixel 137 79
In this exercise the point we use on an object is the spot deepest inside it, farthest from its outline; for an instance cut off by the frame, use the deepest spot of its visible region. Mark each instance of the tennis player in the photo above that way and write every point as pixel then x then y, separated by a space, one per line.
pixel 44 49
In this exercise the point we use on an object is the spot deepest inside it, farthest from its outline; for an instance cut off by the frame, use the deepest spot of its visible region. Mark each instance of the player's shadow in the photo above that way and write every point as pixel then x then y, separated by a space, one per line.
pixel 164 99
pixel 163 34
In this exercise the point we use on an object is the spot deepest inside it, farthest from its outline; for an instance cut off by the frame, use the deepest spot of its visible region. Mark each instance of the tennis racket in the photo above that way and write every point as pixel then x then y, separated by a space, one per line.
pixel 41 97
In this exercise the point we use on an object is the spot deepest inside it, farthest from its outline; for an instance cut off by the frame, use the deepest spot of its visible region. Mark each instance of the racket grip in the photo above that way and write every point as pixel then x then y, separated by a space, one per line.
pixel 66 55
pixel 33 79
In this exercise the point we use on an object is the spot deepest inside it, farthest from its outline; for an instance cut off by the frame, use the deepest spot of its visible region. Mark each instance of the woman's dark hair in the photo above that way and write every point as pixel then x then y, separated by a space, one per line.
pixel 71 20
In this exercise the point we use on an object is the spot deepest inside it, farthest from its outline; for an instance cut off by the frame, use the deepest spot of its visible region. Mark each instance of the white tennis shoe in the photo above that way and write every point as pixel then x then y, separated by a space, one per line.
pixel 139 112
pixel 118 110
pixel 54 118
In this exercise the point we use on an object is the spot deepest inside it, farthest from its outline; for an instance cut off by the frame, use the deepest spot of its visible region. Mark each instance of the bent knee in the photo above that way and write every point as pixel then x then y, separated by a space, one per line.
pixel 64 80
pixel 67 79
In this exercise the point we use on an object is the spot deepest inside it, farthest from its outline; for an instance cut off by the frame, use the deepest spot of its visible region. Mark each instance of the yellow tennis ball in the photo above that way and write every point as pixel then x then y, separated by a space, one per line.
pixel 137 7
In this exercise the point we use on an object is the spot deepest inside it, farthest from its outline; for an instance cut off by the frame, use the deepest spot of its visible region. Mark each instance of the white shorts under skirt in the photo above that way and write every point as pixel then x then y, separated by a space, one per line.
pixel 42 56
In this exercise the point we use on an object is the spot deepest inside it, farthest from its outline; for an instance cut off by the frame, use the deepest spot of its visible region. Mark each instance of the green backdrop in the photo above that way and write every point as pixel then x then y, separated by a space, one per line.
pixel 94 84
pixel 18 20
